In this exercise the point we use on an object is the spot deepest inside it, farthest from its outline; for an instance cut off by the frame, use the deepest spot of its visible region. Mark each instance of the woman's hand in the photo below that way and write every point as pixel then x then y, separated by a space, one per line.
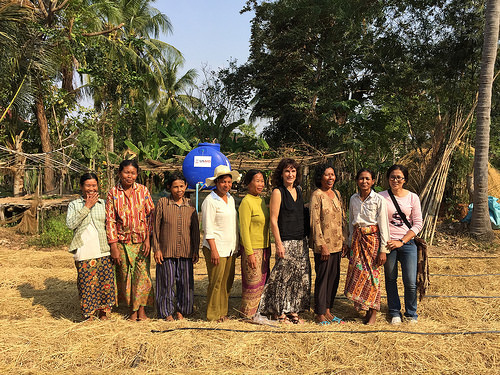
pixel 381 259
pixel 345 251
pixel 214 257
pixel 280 250
pixel 91 200
pixel 158 255
pixel 252 262
pixel 196 257
pixel 115 253
pixel 394 244
pixel 325 253
pixel 146 247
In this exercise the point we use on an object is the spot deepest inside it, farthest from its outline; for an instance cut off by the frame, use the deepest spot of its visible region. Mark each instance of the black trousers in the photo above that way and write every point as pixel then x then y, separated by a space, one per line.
pixel 327 281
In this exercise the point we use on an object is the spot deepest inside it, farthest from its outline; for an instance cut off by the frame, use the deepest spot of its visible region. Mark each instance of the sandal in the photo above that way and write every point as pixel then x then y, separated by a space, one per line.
pixel 284 319
pixel 294 318
pixel 324 323
pixel 337 320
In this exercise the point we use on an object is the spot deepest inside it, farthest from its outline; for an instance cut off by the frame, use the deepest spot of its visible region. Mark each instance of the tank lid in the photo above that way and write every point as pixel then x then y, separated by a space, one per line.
pixel 213 145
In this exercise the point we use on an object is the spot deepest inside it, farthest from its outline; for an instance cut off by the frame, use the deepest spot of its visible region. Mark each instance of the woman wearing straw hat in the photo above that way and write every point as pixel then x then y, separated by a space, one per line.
pixel 288 289
pixel 220 237
pixel 402 247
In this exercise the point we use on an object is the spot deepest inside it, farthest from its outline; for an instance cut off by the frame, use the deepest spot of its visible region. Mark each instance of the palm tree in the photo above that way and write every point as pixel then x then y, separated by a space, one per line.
pixel 174 97
pixel 480 223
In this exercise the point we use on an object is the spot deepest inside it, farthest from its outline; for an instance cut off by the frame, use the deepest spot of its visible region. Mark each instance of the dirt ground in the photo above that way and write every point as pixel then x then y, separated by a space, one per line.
pixel 41 330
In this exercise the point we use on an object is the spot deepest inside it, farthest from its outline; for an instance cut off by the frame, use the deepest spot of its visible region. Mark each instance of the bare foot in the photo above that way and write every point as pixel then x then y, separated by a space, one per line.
pixel 141 314
pixel 179 316
pixel 88 319
pixel 222 319
pixel 169 318
pixel 328 315
pixel 371 317
pixel 133 316
pixel 322 318
pixel 103 315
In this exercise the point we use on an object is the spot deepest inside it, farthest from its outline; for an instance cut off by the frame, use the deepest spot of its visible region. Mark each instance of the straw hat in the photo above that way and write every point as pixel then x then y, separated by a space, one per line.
pixel 222 170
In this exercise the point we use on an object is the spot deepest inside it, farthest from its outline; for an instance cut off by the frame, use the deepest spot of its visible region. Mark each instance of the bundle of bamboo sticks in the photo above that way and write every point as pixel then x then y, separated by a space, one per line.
pixel 432 193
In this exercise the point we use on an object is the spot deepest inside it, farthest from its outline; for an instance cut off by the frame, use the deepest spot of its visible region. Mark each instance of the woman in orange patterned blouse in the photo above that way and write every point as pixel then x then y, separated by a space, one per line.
pixel 129 207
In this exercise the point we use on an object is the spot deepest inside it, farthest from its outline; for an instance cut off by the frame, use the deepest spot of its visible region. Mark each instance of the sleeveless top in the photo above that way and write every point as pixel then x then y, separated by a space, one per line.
pixel 291 216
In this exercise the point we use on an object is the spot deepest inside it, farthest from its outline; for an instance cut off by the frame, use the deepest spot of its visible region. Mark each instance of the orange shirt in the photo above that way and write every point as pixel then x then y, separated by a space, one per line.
pixel 128 217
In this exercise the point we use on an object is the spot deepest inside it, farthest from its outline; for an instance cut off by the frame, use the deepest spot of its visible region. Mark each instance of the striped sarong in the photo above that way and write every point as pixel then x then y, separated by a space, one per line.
pixel 362 282
pixel 174 273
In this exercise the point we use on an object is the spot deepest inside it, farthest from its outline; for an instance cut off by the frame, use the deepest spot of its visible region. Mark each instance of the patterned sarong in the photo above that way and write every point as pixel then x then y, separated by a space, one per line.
pixel 133 277
pixel 96 285
pixel 288 289
pixel 362 283
pixel 253 281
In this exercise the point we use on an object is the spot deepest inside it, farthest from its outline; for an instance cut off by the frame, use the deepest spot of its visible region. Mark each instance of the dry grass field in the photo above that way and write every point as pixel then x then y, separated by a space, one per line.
pixel 41 329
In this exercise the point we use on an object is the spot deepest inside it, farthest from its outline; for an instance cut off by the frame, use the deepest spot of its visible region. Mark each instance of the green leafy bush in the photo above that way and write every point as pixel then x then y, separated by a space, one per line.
pixel 54 233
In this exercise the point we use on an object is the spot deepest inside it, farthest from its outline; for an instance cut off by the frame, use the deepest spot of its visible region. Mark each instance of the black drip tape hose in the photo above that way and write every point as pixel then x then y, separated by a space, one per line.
pixel 322 331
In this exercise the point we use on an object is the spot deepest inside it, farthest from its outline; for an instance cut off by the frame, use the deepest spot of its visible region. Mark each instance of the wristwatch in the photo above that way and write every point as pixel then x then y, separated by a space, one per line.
pixel 404 243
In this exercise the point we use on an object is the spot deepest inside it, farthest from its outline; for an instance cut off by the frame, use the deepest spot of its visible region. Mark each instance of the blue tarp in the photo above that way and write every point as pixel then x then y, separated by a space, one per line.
pixel 494 207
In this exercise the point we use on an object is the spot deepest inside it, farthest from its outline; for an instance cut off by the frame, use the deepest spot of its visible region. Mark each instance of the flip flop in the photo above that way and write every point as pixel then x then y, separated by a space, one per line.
pixel 324 323
pixel 284 319
pixel 337 320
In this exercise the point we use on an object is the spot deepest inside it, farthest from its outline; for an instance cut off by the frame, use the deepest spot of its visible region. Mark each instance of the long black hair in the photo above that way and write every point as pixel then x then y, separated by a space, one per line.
pixel 277 178
pixel 319 171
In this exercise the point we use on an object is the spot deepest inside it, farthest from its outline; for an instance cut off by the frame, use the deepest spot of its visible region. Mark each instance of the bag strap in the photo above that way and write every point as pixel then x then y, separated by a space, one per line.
pixel 401 213
pixel 341 204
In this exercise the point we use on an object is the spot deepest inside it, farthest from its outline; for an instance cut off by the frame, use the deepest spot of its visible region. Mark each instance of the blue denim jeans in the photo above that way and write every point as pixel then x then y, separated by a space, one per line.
pixel 407 256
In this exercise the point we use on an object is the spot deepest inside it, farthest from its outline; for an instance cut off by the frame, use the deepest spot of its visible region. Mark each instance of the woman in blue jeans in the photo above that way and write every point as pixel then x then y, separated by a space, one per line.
pixel 402 229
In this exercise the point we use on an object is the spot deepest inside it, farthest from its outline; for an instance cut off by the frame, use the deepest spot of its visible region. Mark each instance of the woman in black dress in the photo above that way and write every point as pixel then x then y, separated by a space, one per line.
pixel 289 286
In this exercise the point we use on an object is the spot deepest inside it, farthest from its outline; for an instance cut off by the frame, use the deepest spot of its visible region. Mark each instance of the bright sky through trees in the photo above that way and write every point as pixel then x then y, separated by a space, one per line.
pixel 208 32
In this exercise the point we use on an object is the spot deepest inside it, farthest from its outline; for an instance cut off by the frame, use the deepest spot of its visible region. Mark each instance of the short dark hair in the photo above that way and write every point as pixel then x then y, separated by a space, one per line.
pixel 319 170
pixel 365 170
pixel 250 175
pixel 126 163
pixel 88 176
pixel 174 176
pixel 396 167
pixel 277 179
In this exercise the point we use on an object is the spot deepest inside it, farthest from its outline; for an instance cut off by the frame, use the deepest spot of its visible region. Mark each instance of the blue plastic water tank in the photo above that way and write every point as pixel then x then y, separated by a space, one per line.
pixel 201 162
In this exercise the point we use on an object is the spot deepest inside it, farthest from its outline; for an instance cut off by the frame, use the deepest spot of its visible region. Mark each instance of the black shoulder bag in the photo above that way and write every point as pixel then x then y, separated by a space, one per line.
pixel 423 280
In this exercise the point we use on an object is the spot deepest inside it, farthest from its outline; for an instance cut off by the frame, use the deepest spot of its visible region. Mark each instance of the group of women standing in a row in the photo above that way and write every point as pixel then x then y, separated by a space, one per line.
pixel 377 236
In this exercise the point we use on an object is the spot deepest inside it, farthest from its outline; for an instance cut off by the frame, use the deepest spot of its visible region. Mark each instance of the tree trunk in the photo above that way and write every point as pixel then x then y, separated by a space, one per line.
pixel 43 125
pixel 18 188
pixel 480 223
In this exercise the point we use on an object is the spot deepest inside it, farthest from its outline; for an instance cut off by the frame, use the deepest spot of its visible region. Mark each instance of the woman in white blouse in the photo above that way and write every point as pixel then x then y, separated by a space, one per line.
pixel 368 235
pixel 220 237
